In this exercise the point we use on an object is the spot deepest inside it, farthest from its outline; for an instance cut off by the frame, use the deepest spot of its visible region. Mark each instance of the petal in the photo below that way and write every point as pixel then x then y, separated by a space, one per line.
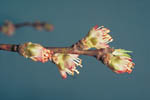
pixel 63 74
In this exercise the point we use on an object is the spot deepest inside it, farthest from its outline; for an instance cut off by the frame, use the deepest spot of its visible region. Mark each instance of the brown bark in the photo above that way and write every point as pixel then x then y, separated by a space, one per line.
pixel 96 53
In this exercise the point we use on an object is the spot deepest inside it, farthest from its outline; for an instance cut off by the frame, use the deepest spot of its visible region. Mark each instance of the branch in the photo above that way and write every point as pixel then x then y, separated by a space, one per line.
pixel 9 28
pixel 66 58
pixel 66 50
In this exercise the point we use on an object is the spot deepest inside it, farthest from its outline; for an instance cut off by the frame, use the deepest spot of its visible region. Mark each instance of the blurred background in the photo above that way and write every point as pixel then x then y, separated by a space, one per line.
pixel 128 20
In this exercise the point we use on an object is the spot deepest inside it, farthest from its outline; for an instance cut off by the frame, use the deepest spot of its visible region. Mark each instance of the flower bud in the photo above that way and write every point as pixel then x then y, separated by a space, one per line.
pixel 35 52
pixel 38 25
pixel 97 37
pixel 67 63
pixel 120 61
pixel 8 28
pixel 49 27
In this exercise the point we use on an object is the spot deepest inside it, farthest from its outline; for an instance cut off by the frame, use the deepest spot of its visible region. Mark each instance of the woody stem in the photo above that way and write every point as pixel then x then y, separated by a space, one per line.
pixel 34 24
pixel 69 50
pixel 29 24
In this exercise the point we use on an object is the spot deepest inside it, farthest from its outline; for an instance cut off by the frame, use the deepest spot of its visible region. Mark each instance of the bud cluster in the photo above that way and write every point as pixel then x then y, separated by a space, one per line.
pixel 8 28
pixel 97 37
pixel 118 60
pixel 43 26
pixel 35 52
pixel 67 63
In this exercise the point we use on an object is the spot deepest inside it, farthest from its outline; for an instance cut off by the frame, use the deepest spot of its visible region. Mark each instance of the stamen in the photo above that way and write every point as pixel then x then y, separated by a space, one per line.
pixel 77 71
pixel 68 71
pixel 100 27
pixel 77 60
pixel 77 63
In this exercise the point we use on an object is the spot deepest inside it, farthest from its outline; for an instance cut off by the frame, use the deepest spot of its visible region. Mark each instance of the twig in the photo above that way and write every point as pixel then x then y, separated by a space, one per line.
pixel 68 50
pixel 9 28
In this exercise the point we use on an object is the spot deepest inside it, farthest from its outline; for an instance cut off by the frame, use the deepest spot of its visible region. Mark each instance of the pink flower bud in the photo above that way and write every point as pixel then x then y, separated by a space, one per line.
pixel 35 52
pixel 97 37
pixel 67 63
pixel 49 27
pixel 8 28
pixel 120 61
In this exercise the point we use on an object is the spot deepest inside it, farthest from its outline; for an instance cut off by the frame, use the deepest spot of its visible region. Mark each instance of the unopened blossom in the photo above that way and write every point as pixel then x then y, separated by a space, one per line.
pixel 67 63
pixel 48 27
pixel 120 61
pixel 35 52
pixel 97 37
pixel 38 25
pixel 8 28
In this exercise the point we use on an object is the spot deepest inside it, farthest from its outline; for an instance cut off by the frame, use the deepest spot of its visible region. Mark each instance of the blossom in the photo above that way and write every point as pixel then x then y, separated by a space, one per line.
pixel 97 37
pixel 38 25
pixel 120 61
pixel 48 27
pixel 8 28
pixel 67 63
pixel 36 52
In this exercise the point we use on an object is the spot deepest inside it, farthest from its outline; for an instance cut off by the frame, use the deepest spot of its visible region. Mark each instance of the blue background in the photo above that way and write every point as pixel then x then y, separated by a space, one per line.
pixel 23 79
